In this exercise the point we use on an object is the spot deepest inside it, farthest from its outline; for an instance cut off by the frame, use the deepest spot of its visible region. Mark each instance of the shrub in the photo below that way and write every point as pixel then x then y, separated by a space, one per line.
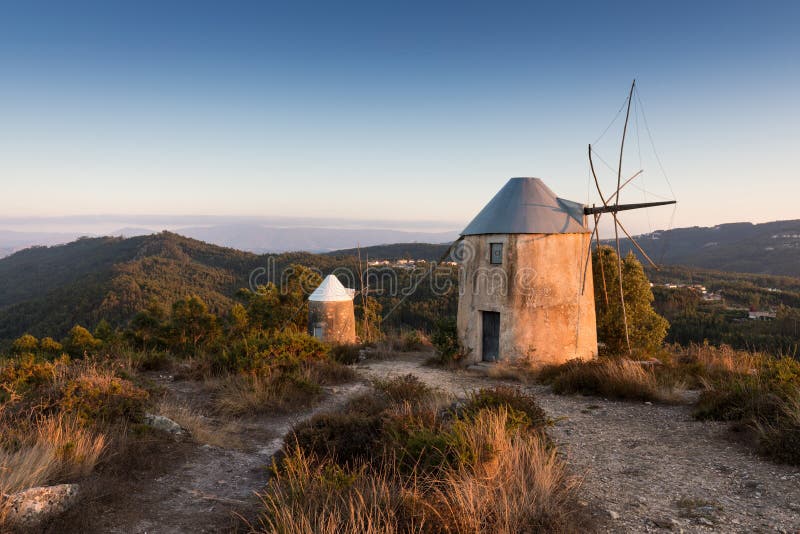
pixel 512 482
pixel 780 439
pixel 50 346
pixel 80 341
pixel 26 373
pixel 611 378
pixel 97 396
pixel 408 341
pixel 406 388
pixel 747 397
pixel 346 354
pixel 445 340
pixel 254 394
pixel 346 438
pixel 522 407
pixel 25 344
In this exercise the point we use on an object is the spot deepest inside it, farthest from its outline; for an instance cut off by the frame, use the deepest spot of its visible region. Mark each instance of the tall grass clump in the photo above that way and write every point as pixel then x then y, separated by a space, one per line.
pixel 407 459
pixel 613 378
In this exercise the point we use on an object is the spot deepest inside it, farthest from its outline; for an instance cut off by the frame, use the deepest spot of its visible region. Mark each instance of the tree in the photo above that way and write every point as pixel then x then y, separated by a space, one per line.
pixel 191 323
pixel 368 319
pixel 50 346
pixel 25 344
pixel 104 332
pixel 238 320
pixel 80 341
pixel 646 328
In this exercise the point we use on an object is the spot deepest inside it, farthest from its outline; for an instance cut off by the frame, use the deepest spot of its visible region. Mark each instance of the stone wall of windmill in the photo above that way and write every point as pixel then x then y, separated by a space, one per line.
pixel 526 286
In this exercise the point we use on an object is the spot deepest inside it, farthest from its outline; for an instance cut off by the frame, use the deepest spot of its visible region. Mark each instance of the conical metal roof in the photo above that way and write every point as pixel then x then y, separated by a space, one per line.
pixel 332 290
pixel 527 206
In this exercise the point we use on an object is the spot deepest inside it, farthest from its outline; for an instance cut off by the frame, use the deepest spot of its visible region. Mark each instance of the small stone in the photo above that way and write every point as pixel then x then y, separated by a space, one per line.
pixel 612 514
pixel 706 522
pixel 165 424
pixel 666 523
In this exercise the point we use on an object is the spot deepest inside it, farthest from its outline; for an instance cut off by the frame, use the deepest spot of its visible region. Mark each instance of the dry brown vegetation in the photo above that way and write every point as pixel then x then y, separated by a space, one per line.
pixel 200 427
pixel 758 391
pixel 405 460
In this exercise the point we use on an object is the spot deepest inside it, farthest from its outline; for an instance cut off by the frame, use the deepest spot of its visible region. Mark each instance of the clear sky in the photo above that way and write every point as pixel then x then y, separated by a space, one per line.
pixel 394 110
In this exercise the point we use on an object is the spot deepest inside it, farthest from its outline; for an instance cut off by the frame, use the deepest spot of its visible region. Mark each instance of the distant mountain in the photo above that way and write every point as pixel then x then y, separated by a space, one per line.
pixel 11 241
pixel 767 248
pixel 252 237
pixel 398 251
pixel 258 238
pixel 47 290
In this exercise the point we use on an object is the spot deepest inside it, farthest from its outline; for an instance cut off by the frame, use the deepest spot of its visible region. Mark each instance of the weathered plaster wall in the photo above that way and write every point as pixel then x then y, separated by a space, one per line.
pixel 337 319
pixel 543 291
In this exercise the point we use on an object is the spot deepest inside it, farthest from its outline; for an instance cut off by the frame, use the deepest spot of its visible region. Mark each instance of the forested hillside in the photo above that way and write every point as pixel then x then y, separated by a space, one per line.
pixel 768 248
pixel 398 251
pixel 47 290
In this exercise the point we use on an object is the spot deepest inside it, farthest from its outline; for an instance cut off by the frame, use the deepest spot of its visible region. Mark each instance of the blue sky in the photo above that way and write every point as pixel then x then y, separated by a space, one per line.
pixel 393 110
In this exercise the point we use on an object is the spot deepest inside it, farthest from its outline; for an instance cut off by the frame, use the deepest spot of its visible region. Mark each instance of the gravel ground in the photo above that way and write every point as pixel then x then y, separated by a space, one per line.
pixel 647 468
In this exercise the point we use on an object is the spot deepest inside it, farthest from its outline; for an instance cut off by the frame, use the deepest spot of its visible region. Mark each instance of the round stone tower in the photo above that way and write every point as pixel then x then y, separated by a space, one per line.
pixel 526 286
pixel 331 316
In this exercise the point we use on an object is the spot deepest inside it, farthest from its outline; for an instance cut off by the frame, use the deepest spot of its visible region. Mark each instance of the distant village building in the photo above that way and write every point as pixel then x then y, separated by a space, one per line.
pixel 761 315
pixel 526 286
pixel 331 316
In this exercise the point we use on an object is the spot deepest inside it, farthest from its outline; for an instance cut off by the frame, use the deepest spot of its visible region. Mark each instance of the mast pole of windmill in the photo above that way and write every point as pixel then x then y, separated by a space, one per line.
pixel 616 223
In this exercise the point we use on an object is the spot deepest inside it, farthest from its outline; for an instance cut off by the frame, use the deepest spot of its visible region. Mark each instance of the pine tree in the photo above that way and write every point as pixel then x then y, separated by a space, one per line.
pixel 646 328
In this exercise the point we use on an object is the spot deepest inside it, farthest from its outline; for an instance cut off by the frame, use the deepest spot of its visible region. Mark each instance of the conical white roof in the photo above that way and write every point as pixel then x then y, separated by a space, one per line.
pixel 332 290
pixel 527 206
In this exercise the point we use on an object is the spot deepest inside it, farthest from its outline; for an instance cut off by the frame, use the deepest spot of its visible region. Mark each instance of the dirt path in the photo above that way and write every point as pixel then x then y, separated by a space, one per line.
pixel 649 468
pixel 195 488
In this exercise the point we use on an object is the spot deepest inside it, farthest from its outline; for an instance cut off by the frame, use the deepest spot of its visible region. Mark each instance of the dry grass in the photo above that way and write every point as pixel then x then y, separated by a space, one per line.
pixel 510 482
pixel 780 438
pixel 517 484
pixel 250 395
pixel 57 449
pixel 520 371
pixel 200 428
pixel 617 378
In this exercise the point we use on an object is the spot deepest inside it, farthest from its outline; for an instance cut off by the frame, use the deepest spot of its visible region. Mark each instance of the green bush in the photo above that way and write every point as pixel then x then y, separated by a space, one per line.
pixel 406 388
pixel 346 354
pixel 97 396
pixel 780 440
pixel 25 344
pixel 445 340
pixel 23 374
pixel 347 438
pixel 80 341
pixel 523 408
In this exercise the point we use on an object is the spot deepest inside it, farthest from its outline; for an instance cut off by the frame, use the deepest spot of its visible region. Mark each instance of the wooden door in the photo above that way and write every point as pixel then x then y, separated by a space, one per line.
pixel 491 336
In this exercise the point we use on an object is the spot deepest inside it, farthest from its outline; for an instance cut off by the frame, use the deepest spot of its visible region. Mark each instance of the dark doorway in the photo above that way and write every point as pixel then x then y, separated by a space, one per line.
pixel 491 336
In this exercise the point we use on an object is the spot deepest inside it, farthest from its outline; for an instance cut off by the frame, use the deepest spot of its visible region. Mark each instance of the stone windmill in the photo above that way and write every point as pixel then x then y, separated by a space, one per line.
pixel 331 316
pixel 525 288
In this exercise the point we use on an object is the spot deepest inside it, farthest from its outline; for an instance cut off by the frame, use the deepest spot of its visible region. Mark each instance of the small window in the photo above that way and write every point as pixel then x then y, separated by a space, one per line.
pixel 496 253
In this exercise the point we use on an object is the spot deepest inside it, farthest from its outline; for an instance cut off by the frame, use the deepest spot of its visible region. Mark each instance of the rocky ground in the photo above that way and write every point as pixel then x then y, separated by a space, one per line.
pixel 649 468
pixel 645 468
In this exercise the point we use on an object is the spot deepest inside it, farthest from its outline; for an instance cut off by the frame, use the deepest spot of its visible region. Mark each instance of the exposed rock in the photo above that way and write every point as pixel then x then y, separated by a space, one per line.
pixel 165 424
pixel 29 508
pixel 612 514
pixel 667 523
